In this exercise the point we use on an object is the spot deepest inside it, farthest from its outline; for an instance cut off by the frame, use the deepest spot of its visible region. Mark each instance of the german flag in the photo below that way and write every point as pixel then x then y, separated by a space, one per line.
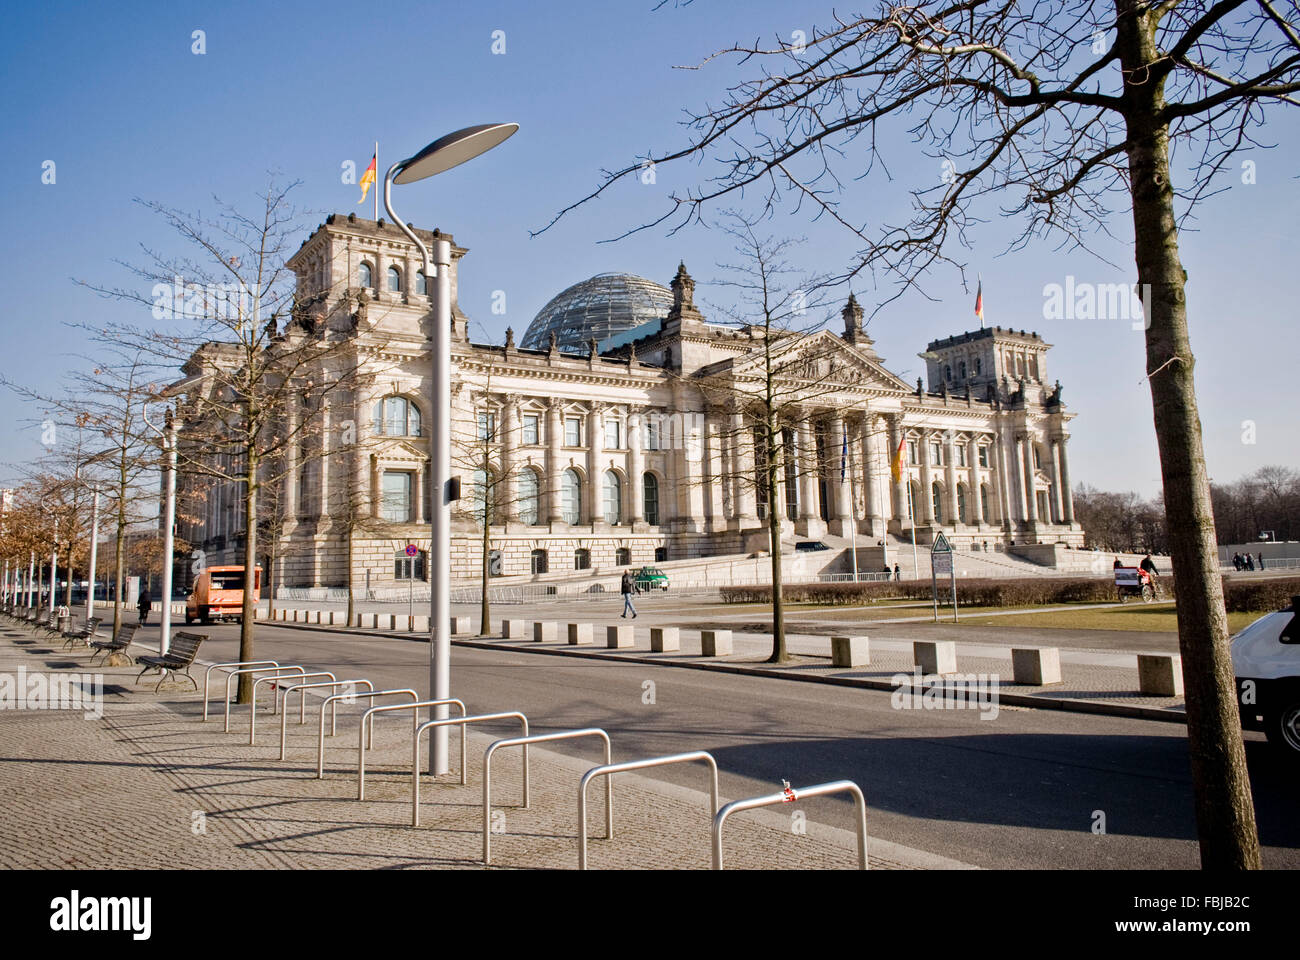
pixel 979 302
pixel 368 178
pixel 896 464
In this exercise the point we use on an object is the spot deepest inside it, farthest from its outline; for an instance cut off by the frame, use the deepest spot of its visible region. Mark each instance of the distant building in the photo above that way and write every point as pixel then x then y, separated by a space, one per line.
pixel 617 444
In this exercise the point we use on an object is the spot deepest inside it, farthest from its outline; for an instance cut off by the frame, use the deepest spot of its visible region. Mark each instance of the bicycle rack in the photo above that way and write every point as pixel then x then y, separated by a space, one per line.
pixel 302 689
pixel 611 769
pixel 415 725
pixel 368 695
pixel 275 699
pixel 232 663
pixel 255 670
pixel 789 795
pixel 461 721
pixel 523 742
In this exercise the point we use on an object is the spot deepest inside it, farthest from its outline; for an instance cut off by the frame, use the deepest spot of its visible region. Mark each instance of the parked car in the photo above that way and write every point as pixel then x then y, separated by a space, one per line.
pixel 1266 665
pixel 807 546
pixel 218 594
pixel 650 578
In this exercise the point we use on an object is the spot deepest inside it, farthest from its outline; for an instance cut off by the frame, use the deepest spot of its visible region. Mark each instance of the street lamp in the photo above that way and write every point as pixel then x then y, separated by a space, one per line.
pixel 168 433
pixel 441 155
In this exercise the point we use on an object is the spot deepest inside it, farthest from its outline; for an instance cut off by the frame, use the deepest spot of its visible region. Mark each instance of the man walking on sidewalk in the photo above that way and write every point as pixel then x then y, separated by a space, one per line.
pixel 627 587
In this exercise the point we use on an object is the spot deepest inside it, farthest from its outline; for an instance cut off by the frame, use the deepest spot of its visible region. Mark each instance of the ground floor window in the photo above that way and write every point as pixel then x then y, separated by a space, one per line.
pixel 538 561
pixel 622 557
pixel 581 559
pixel 411 568
pixel 661 554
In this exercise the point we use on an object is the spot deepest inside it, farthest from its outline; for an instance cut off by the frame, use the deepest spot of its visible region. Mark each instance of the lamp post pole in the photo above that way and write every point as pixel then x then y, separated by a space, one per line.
pixel 54 560
pixel 31 581
pixel 442 154
pixel 169 522
pixel 94 550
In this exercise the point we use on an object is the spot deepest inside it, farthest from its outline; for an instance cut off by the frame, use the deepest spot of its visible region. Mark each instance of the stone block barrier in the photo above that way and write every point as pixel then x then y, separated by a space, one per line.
pixel 619 637
pixel 1036 666
pixel 850 652
pixel 665 639
pixel 935 656
pixel 1160 674
pixel 715 643
pixel 460 625
pixel 543 631
pixel 513 629
pixel 580 634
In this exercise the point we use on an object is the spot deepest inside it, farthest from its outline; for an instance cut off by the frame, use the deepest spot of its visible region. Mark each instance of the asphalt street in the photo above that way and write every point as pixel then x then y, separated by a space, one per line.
pixel 1030 788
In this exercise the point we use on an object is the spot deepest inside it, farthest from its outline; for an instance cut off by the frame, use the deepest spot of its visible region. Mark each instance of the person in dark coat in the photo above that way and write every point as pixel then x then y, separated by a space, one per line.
pixel 898 573
pixel 1261 561
pixel 145 605
pixel 627 587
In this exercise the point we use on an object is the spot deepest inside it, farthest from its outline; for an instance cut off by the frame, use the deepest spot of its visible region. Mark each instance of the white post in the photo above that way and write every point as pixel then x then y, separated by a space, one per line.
pixel 440 548
pixel 54 560
pixel 31 581
pixel 94 552
pixel 911 516
pixel 169 521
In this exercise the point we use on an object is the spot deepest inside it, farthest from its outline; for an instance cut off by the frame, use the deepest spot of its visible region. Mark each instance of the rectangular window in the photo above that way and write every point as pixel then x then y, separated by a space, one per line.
pixel 913 453
pixel 487 425
pixel 573 431
pixel 984 456
pixel 397 497
pixel 961 455
pixel 936 454
pixel 613 435
pixel 530 437
pixel 652 433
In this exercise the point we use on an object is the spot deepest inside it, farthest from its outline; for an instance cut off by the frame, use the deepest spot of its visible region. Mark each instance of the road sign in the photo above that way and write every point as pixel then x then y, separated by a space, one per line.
pixel 941 566
pixel 412 550
pixel 941 562
pixel 941 545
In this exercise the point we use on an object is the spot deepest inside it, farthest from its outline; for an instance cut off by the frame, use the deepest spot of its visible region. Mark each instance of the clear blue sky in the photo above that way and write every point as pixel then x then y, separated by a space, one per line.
pixel 113 95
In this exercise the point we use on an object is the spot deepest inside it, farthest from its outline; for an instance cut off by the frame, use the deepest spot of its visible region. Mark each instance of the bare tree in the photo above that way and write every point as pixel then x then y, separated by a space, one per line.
pixel 1051 109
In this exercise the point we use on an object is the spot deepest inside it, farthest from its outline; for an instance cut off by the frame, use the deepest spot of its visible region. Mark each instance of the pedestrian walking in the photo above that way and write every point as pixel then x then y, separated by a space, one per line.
pixel 145 606
pixel 1236 562
pixel 898 574
pixel 1250 562
pixel 1261 561
pixel 627 587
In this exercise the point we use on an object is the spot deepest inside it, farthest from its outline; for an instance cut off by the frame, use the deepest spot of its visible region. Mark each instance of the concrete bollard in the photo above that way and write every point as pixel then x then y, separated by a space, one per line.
pixel 420 623
pixel 459 625
pixel 935 656
pixel 1160 674
pixel 715 643
pixel 512 629
pixel 620 637
pixel 580 634
pixel 850 651
pixel 1036 666
pixel 543 631
pixel 665 639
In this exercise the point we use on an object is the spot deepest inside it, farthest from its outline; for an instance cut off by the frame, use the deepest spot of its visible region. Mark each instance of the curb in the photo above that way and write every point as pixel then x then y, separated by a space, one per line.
pixel 1066 704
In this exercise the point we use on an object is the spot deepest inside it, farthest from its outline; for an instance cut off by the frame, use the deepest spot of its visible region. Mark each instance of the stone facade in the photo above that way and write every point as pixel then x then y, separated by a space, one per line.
pixel 640 453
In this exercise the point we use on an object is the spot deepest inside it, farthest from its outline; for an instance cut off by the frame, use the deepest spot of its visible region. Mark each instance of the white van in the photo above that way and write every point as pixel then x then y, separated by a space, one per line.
pixel 1266 665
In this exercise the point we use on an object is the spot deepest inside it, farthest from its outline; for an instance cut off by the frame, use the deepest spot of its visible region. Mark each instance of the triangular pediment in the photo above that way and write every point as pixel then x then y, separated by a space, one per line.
pixel 819 359
pixel 402 450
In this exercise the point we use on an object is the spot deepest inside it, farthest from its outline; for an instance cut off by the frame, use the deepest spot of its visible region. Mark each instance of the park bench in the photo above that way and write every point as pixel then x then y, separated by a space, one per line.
pixel 49 623
pixel 117 644
pixel 72 637
pixel 180 654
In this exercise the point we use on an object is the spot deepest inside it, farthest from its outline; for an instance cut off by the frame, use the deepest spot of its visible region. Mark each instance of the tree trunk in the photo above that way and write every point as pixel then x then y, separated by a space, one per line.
pixel 1224 810
pixel 351 531
pixel 484 613
pixel 119 570
pixel 247 619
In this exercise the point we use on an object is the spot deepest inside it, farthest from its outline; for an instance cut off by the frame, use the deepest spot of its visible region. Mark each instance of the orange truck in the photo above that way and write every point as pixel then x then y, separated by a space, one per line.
pixel 218 594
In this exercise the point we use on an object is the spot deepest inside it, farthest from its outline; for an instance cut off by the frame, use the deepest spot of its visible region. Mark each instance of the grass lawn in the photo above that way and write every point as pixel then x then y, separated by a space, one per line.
pixel 1129 617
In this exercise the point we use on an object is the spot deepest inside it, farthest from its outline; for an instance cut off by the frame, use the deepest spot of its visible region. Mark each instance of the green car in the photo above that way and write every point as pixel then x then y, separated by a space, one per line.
pixel 651 578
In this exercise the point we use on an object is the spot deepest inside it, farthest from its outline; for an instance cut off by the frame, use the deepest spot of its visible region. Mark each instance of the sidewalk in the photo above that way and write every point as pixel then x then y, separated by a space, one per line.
pixel 148 785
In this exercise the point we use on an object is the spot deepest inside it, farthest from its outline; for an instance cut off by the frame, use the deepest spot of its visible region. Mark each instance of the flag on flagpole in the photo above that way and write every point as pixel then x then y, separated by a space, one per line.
pixel 896 463
pixel 368 178
pixel 979 302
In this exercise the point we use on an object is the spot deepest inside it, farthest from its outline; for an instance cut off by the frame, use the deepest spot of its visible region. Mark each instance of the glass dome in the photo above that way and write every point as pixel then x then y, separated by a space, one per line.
pixel 606 304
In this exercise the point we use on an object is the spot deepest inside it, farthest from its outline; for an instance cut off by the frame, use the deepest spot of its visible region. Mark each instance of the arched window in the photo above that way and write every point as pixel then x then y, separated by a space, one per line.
pixel 622 557
pixel 397 417
pixel 366 275
pixel 582 559
pixel 528 497
pixel 613 490
pixel 650 491
pixel 394 280
pixel 421 283
pixel 570 497
pixel 936 499
pixel 537 561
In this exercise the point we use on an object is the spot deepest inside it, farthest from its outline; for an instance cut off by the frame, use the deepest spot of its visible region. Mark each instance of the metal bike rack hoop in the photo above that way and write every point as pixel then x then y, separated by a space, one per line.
pixel 346 697
pixel 415 725
pixel 252 713
pixel 302 688
pixel 207 675
pixel 277 670
pixel 461 721
pixel 789 796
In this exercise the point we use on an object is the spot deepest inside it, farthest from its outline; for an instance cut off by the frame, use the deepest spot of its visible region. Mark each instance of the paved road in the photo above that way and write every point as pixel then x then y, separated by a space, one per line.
pixel 1017 791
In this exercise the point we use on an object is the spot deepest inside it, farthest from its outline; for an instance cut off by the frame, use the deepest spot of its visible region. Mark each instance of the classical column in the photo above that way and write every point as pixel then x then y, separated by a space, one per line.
pixel 419 493
pixel 742 447
pixel 1026 456
pixel 950 477
pixel 1057 510
pixel 636 465
pixel 895 422
pixel 291 459
pixel 554 465
pixel 715 500
pixel 1067 496
pixel 841 496
pixel 974 504
pixel 374 487
pixel 806 461
pixel 509 500
pixel 870 482
pixel 595 473
pixel 325 428
pixel 927 483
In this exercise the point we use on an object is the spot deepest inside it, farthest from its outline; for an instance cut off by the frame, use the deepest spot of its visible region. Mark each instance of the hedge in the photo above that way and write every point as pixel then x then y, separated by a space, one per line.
pixel 1240 595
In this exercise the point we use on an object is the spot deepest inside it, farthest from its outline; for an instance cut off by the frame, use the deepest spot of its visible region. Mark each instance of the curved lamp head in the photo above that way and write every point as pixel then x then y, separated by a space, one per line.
pixel 453 150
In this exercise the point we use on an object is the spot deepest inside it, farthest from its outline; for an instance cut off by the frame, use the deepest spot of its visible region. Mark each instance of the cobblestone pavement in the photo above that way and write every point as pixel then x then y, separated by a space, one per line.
pixel 149 785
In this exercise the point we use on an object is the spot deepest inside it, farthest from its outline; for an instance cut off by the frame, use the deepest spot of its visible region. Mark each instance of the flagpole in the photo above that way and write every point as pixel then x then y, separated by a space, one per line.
pixel 372 186
pixel 853 501
pixel 911 516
